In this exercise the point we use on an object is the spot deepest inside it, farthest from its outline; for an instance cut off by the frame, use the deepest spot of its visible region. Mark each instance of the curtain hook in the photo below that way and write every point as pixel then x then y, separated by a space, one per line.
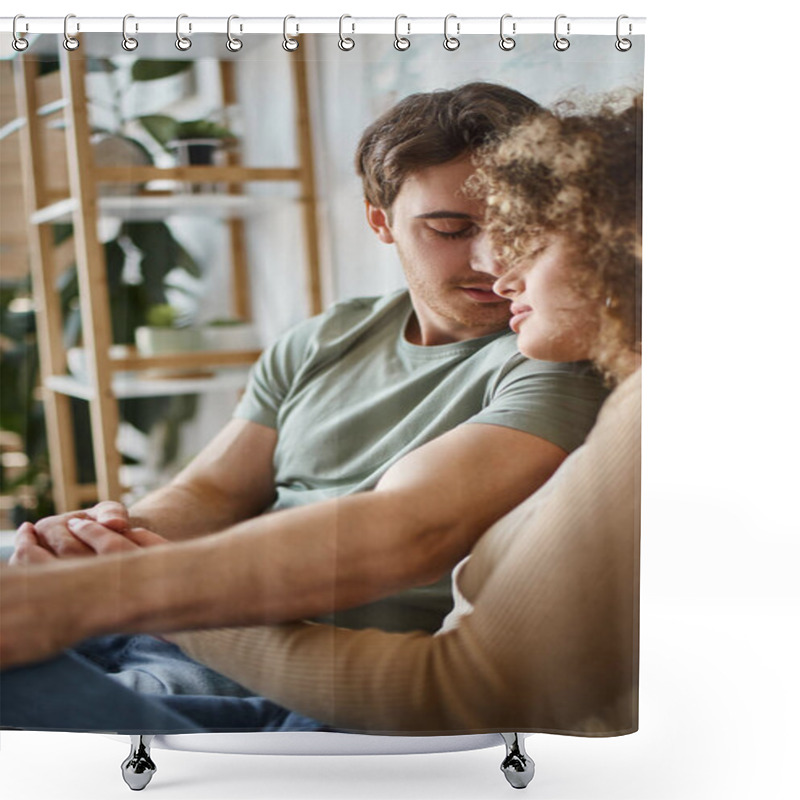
pixel 561 43
pixel 70 42
pixel 346 42
pixel 289 42
pixel 233 44
pixel 451 42
pixel 507 42
pixel 129 43
pixel 623 45
pixel 182 42
pixel 400 42
pixel 18 42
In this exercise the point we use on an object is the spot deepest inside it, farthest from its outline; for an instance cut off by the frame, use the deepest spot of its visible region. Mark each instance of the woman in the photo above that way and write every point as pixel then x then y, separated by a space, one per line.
pixel 544 635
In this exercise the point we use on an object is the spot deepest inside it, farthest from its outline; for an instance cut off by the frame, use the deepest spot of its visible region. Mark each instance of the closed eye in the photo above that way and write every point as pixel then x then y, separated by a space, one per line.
pixel 461 233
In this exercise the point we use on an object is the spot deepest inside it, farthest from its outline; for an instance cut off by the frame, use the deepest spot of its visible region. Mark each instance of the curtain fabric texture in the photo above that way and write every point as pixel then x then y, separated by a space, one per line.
pixel 542 633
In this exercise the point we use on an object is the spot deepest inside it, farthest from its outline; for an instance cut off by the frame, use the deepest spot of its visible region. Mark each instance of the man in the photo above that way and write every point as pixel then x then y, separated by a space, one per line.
pixel 383 436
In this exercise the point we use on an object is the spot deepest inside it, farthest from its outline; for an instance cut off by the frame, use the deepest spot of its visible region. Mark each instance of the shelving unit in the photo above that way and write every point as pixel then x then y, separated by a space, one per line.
pixel 111 377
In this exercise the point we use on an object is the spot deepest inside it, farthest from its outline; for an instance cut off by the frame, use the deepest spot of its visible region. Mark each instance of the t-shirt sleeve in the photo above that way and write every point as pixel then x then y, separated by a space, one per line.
pixel 557 402
pixel 272 375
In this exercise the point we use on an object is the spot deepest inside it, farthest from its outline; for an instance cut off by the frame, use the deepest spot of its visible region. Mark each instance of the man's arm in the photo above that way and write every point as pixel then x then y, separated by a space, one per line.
pixel 231 480
pixel 425 514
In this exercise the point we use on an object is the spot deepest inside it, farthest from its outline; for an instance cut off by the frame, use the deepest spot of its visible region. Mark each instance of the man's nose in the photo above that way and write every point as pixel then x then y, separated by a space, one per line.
pixel 482 257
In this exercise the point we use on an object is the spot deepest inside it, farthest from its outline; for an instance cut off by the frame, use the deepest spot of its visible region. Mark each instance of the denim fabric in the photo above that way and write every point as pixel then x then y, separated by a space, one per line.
pixel 69 693
pixel 152 666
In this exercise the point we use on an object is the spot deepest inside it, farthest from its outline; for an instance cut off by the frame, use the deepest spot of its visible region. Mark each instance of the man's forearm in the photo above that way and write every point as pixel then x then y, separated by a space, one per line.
pixel 230 481
pixel 274 568
pixel 182 511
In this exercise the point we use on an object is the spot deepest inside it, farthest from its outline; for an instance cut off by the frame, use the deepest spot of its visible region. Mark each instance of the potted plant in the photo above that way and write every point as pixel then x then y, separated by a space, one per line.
pixel 230 334
pixel 166 332
pixel 194 141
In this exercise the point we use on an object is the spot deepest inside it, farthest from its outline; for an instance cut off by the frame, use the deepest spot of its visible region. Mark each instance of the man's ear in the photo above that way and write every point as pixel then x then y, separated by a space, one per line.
pixel 378 220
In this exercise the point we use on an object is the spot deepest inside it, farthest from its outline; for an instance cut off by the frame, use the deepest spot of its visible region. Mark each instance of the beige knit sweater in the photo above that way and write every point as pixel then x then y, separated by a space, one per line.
pixel 552 642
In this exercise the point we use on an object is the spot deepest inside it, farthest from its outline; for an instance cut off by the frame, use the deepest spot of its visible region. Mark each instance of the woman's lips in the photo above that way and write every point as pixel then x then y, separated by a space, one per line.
pixel 518 314
pixel 482 295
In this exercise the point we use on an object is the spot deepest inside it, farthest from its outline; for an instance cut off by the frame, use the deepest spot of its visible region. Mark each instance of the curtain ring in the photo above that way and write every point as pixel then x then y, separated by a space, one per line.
pixel 233 44
pixel 451 42
pixel 346 43
pixel 18 42
pixel 400 42
pixel 128 42
pixel 623 45
pixel 289 42
pixel 507 42
pixel 561 43
pixel 182 42
pixel 70 42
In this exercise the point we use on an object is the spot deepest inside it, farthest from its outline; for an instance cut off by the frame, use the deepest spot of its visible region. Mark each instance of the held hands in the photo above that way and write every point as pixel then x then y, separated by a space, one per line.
pixel 43 605
pixel 100 530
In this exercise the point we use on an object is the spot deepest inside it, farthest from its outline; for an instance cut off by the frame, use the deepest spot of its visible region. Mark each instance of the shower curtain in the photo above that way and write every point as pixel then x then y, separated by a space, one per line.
pixel 535 630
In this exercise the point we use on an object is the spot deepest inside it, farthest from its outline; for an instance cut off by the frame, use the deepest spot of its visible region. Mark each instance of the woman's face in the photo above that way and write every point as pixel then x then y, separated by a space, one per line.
pixel 552 319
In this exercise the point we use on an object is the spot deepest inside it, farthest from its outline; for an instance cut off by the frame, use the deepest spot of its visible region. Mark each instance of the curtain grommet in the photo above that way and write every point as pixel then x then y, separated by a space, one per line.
pixel 451 43
pixel 561 43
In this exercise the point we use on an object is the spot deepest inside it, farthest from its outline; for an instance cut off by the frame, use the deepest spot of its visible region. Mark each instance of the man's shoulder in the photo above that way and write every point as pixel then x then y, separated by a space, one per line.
pixel 355 316
pixel 358 308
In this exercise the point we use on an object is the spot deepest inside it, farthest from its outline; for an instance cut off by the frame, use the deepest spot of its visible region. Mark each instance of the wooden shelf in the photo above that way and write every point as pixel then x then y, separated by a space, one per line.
pixel 157 207
pixel 128 384
pixel 198 359
pixel 196 174
pixel 86 193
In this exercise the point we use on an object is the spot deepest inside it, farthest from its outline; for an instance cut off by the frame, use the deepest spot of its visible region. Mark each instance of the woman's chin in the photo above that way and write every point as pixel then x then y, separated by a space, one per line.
pixel 550 351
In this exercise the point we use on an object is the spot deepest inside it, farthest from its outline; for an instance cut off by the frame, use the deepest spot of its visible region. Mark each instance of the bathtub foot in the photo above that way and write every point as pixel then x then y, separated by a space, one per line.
pixel 517 766
pixel 138 768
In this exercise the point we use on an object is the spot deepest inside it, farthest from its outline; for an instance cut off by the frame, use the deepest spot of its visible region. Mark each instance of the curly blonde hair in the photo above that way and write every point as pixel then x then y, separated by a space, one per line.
pixel 578 175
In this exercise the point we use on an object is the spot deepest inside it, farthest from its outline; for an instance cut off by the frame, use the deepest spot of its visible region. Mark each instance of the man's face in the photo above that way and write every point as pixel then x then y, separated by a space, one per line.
pixel 435 229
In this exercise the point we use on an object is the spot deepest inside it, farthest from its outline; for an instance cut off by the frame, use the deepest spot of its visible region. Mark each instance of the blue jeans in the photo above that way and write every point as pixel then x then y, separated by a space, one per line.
pixel 70 693
pixel 152 666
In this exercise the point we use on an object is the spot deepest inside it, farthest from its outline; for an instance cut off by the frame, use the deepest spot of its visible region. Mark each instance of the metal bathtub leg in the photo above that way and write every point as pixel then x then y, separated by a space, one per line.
pixel 138 768
pixel 517 766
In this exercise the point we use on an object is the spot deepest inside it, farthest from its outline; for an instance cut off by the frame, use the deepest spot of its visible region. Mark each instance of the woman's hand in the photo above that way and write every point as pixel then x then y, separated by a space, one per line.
pixel 53 536
pixel 101 540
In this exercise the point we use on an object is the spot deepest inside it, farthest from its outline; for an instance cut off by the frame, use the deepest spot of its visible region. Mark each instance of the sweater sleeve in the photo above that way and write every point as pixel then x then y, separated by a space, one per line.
pixel 552 643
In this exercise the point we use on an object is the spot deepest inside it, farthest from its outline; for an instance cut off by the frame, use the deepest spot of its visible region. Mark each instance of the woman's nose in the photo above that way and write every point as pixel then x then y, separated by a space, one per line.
pixel 502 286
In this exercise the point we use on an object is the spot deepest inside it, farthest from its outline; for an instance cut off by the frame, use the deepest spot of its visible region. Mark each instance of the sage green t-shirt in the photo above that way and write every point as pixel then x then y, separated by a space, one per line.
pixel 349 396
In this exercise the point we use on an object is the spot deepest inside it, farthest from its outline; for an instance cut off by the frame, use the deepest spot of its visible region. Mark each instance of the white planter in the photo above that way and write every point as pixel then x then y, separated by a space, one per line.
pixel 230 337
pixel 158 341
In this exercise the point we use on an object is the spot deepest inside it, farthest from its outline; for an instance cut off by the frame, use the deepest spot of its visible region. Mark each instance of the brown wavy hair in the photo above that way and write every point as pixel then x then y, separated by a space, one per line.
pixel 431 128
pixel 577 175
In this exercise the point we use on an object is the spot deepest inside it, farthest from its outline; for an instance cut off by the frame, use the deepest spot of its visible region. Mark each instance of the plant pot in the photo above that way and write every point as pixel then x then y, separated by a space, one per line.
pixel 239 336
pixel 151 341
pixel 198 153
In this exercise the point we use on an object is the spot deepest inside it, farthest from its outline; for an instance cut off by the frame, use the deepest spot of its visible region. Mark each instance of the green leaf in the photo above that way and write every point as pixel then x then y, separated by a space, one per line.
pixel 161 127
pixel 152 70
pixel 202 129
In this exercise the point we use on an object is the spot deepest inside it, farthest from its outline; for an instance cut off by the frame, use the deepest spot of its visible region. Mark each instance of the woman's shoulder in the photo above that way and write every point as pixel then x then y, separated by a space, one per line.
pixel 596 480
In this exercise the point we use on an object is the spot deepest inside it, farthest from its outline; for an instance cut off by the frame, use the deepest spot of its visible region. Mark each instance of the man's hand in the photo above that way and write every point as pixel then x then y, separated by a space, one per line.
pixel 53 535
pixel 41 612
